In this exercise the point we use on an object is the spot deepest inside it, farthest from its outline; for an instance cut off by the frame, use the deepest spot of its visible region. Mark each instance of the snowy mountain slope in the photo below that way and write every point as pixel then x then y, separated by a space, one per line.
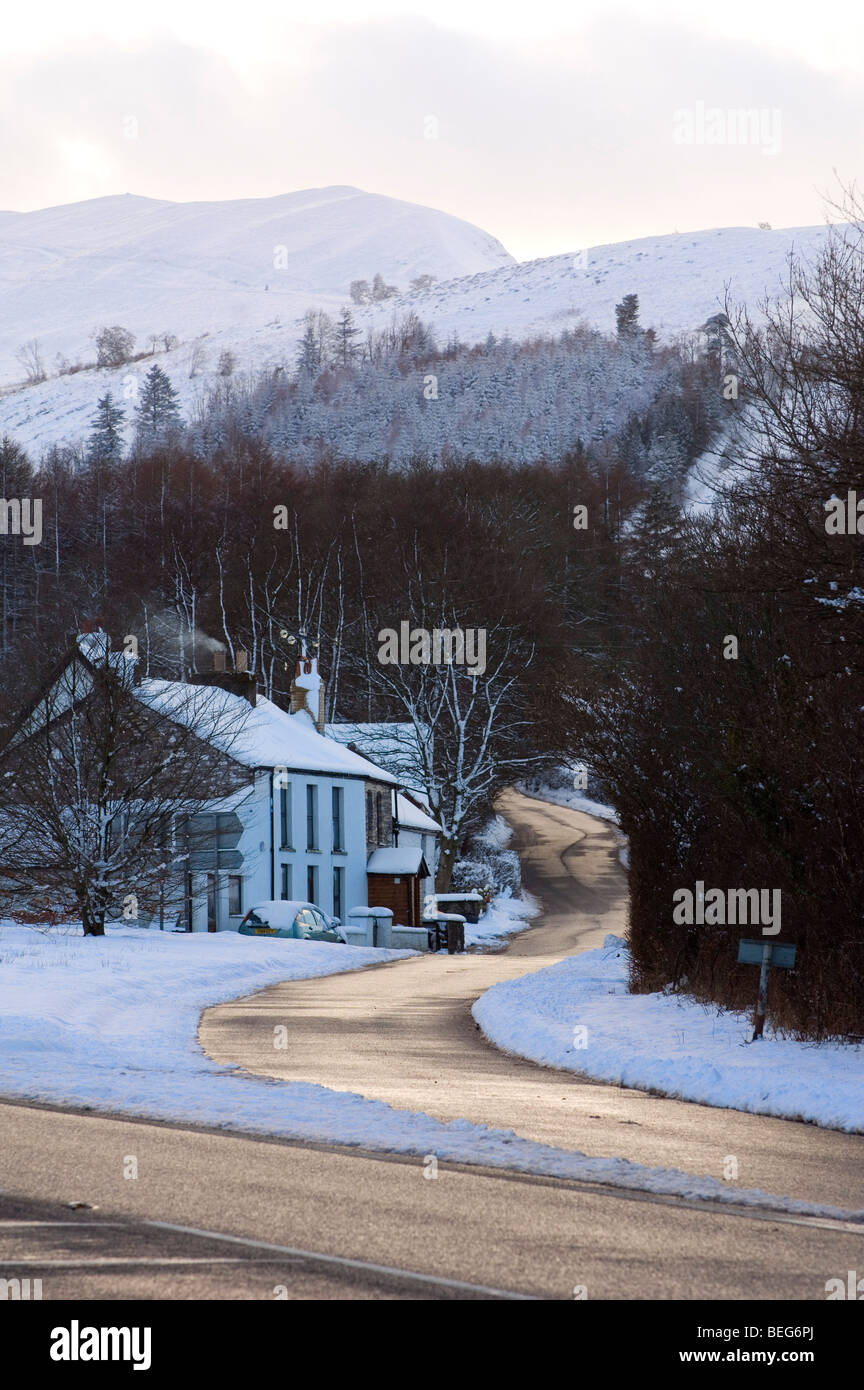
pixel 210 292
pixel 191 268
pixel 680 280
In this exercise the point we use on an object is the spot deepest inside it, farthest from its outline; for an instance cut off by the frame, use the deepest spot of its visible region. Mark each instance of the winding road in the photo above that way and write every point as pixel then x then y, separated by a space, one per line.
pixel 403 1032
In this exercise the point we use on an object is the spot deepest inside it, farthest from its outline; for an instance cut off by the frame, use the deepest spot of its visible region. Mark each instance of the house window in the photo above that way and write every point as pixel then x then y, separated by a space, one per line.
pixel 312 883
pixel 380 836
pixel 285 817
pixel 286 883
pixel 311 817
pixel 338 892
pixel 338 820
pixel 235 895
pixel 371 837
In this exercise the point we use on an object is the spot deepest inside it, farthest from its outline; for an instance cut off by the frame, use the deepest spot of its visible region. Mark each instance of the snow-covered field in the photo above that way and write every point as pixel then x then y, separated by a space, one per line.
pixel 112 1024
pixel 578 1015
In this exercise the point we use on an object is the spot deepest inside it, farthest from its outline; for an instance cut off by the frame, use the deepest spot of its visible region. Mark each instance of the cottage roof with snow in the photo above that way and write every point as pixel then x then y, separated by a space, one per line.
pixel 260 735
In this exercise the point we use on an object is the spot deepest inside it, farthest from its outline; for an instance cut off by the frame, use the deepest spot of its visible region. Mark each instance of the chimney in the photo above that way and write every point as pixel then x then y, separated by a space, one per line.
pixel 307 690
pixel 240 681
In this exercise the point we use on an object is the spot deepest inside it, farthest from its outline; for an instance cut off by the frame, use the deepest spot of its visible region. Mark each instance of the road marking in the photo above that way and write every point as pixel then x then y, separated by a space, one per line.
pixel 7 1225
pixel 112 1260
pixel 343 1262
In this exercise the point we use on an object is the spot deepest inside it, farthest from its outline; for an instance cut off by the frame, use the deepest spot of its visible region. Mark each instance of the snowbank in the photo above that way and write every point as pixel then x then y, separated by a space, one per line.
pixel 113 1021
pixel 668 1044
pixel 503 917
pixel 567 796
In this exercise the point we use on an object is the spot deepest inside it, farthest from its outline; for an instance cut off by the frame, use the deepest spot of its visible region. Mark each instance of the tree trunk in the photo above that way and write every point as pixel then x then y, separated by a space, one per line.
pixel 93 922
pixel 446 863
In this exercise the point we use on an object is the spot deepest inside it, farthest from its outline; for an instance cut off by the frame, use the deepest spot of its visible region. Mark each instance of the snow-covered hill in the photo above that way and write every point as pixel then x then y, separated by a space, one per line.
pixel 680 280
pixel 207 272
pixel 195 267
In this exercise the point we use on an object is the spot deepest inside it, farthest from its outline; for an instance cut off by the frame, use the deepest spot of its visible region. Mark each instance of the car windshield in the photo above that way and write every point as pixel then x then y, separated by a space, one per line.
pixel 254 920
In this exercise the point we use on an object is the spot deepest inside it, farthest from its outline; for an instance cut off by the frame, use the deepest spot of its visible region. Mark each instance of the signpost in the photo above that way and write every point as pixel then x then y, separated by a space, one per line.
pixel 765 954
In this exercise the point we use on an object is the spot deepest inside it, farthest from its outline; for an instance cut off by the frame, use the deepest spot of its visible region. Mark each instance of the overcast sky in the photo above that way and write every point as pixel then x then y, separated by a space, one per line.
pixel 553 125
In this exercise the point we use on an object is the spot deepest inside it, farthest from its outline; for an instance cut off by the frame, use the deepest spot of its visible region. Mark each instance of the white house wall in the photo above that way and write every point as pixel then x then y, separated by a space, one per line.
pixel 255 840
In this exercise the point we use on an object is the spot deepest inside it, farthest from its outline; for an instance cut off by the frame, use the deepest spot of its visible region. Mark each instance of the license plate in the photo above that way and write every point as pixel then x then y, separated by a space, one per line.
pixel 265 931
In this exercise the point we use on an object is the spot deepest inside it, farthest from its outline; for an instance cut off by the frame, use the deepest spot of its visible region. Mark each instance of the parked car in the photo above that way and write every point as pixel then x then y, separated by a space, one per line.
pixel 300 920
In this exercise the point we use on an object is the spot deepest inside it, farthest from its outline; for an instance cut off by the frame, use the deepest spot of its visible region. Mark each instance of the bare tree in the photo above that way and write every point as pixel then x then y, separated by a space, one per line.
pixel 468 729
pixel 101 786
pixel 197 358
pixel 30 356
pixel 381 290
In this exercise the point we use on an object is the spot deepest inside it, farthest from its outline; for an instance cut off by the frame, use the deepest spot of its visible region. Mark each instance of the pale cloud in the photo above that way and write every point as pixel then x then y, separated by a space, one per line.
pixel 549 150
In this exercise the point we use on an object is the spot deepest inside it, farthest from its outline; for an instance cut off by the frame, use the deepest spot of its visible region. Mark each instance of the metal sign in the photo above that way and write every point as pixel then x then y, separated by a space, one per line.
pixel 752 952
pixel 764 954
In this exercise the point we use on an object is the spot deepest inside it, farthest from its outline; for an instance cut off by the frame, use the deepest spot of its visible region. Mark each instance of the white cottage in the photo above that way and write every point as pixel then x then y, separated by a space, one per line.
pixel 308 815
pixel 301 829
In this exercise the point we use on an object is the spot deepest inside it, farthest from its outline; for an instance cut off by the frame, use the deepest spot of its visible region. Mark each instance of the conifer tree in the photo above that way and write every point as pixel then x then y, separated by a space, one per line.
pixel 346 332
pixel 157 410
pixel 627 317
pixel 106 436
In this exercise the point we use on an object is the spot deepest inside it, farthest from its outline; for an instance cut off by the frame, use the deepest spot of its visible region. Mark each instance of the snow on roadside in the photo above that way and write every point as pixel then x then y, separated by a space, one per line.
pixel 568 796
pixel 503 917
pixel 111 1024
pixel 493 862
pixel 668 1044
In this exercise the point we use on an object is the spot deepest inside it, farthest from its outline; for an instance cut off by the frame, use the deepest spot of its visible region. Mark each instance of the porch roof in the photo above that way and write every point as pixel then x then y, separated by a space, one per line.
pixel 399 859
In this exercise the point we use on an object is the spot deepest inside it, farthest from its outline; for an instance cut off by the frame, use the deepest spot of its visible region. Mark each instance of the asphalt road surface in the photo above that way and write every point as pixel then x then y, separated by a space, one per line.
pixel 342 1224
pixel 216 1215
